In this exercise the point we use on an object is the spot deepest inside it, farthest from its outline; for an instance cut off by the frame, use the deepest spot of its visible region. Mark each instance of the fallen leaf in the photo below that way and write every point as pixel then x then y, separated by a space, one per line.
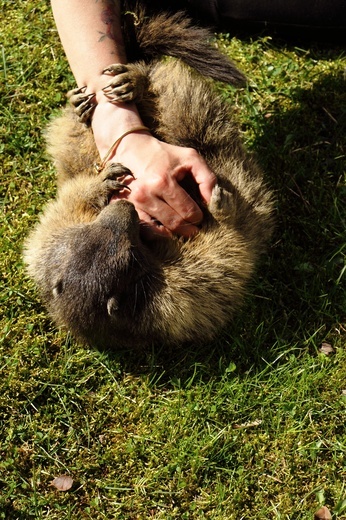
pixel 102 438
pixel 323 514
pixel 327 349
pixel 62 483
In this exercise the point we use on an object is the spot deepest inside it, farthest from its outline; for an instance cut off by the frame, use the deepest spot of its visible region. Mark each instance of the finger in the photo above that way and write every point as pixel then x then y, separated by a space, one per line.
pixel 201 174
pixel 169 203
pixel 186 209
pixel 151 229
pixel 171 210
pixel 169 220
pixel 206 181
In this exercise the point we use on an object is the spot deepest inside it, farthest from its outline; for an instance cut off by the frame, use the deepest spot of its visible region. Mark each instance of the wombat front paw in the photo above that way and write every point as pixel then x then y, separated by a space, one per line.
pixel 127 84
pixel 221 201
pixel 100 190
pixel 113 177
pixel 82 103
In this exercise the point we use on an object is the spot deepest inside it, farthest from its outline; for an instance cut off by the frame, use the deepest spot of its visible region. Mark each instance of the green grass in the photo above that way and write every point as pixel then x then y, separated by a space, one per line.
pixel 249 427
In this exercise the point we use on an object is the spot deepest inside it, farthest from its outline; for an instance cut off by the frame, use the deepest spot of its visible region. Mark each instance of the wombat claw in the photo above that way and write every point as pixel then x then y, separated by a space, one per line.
pixel 122 88
pixel 83 104
pixel 116 185
pixel 221 200
pixel 113 173
pixel 115 68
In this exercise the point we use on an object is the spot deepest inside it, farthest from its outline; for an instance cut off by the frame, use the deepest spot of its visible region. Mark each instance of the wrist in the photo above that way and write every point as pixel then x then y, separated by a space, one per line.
pixel 109 122
pixel 117 143
pixel 95 85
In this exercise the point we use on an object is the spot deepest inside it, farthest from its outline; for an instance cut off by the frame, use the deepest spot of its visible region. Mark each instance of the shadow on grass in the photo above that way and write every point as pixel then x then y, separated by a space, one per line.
pixel 303 151
pixel 297 298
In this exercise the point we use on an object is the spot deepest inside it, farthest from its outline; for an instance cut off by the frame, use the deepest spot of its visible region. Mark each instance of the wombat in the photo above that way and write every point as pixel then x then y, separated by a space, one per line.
pixel 97 274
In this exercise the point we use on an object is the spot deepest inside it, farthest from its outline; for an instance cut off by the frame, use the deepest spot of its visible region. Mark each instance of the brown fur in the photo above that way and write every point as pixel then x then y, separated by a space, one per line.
pixel 95 272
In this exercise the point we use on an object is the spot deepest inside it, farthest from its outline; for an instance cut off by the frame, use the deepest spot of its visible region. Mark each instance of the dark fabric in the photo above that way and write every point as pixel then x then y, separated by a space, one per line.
pixel 291 12
pixel 309 13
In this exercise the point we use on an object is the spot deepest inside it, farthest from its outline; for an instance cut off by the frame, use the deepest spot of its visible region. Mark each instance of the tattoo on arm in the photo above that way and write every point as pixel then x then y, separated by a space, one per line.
pixel 110 18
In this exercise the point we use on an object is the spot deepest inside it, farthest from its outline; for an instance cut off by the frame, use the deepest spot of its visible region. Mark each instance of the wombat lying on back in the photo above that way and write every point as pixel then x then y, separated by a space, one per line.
pixel 96 273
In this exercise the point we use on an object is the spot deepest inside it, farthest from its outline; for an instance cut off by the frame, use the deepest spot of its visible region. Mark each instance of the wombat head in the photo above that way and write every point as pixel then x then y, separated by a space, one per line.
pixel 98 277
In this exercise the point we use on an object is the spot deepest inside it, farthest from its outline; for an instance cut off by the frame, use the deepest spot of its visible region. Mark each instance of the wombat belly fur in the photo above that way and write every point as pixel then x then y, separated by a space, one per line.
pixel 96 274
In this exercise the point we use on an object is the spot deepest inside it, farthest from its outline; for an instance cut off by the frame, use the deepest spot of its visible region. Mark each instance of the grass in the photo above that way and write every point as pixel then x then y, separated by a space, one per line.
pixel 251 426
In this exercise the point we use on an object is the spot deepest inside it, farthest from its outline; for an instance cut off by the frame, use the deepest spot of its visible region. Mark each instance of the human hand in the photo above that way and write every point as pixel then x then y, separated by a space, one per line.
pixel 158 168
pixel 155 190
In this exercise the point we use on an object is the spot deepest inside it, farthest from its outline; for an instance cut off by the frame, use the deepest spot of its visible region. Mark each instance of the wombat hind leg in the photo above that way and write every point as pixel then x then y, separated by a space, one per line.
pixel 128 83
pixel 221 202
pixel 82 103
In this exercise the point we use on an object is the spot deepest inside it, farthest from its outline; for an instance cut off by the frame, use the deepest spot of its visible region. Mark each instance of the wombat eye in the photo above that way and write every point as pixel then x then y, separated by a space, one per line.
pixel 57 289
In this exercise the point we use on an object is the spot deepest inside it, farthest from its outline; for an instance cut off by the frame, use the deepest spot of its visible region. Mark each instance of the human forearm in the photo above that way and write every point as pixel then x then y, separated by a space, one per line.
pixel 90 32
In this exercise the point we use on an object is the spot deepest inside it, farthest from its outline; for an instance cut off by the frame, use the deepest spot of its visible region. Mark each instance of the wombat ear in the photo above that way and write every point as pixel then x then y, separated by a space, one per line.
pixel 57 289
pixel 112 306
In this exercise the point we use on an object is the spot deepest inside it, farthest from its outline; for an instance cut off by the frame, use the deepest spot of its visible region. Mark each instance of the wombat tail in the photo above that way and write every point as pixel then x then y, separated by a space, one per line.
pixel 167 34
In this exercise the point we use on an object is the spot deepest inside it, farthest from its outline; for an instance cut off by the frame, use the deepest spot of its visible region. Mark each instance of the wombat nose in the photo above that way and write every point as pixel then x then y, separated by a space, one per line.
pixel 120 216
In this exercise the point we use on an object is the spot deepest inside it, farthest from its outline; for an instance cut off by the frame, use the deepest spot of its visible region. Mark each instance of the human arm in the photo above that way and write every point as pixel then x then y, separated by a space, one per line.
pixel 90 32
